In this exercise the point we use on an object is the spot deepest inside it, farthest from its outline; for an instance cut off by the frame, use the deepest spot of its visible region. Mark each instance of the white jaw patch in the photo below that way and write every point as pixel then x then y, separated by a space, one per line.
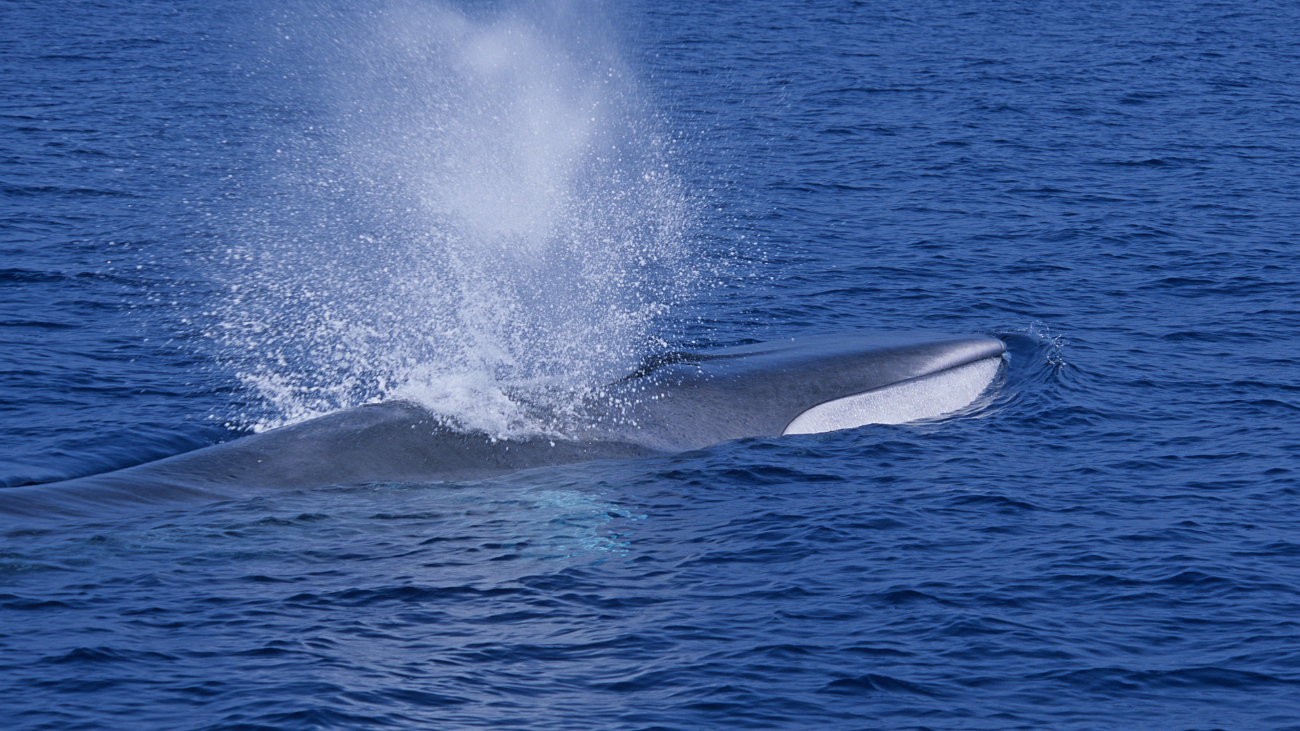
pixel 920 398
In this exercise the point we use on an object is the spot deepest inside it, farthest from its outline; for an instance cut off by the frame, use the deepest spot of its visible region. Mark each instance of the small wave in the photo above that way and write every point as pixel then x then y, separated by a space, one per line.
pixel 76 192
pixel 875 683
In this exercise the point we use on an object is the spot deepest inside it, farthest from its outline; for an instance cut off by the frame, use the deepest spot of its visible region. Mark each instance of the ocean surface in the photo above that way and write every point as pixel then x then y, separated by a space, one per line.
pixel 220 217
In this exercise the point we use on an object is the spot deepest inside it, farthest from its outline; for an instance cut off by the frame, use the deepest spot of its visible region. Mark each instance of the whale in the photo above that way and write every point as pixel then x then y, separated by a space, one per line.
pixel 672 402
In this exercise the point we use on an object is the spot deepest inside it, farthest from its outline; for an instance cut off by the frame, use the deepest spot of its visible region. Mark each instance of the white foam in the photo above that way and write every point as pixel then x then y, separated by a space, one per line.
pixel 920 398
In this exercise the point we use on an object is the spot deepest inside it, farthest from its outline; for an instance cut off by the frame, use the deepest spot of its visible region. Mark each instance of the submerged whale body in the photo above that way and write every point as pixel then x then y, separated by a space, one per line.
pixel 674 402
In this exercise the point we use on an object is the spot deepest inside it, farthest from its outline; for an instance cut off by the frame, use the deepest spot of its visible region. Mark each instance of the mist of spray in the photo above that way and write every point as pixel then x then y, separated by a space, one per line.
pixel 474 213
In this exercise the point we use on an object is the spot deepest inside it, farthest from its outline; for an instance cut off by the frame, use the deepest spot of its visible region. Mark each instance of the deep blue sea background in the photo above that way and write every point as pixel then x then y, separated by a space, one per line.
pixel 1112 541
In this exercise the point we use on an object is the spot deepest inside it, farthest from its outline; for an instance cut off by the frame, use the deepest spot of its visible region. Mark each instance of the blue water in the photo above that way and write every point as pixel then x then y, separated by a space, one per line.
pixel 1110 542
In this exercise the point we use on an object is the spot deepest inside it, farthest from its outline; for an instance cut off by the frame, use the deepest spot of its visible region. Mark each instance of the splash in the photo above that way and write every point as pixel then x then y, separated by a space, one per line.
pixel 482 219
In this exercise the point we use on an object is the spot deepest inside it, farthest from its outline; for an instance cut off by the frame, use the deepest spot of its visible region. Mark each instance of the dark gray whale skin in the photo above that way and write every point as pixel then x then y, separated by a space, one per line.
pixel 757 390
pixel 675 402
